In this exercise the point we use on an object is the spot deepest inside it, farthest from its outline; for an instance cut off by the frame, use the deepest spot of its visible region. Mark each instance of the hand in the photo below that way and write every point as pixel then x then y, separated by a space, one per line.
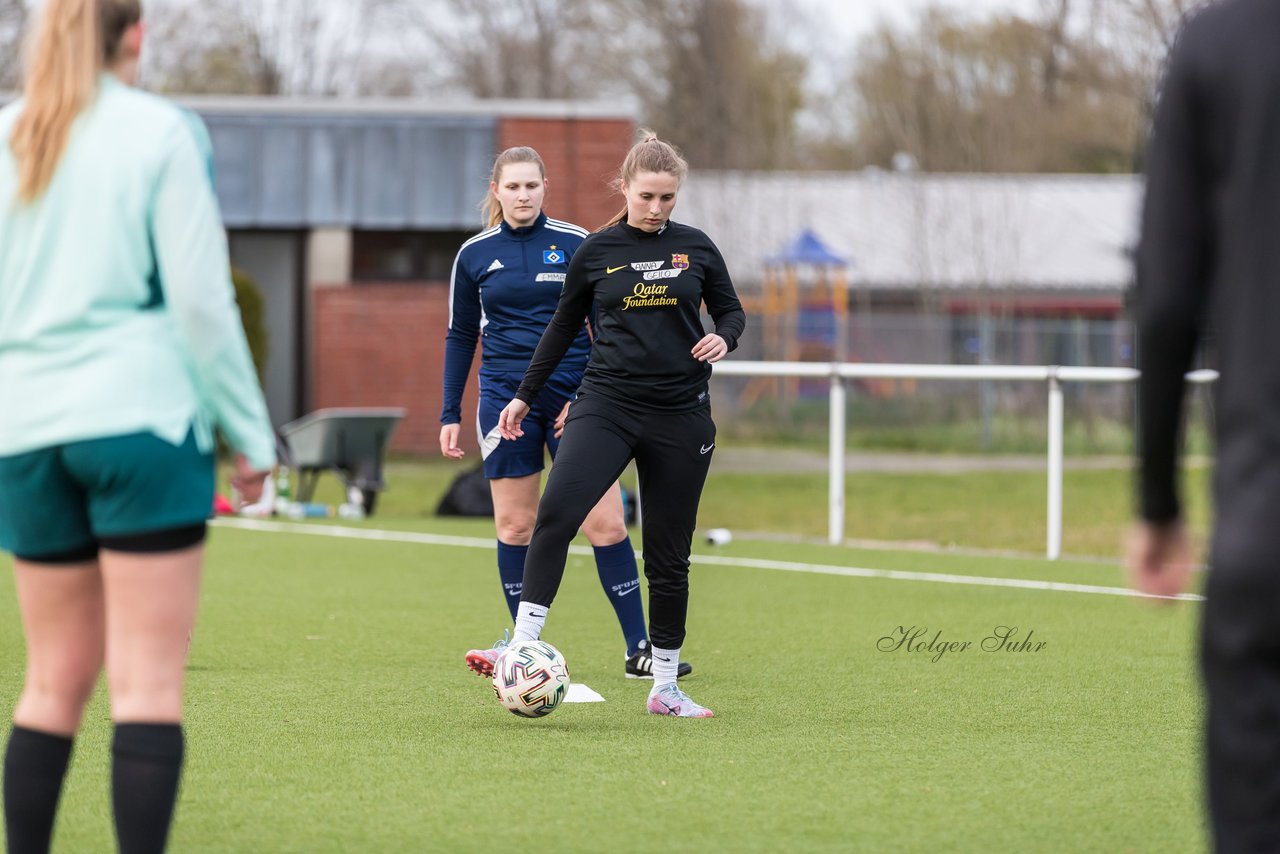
pixel 247 481
pixel 1159 558
pixel 711 348
pixel 449 441
pixel 559 423
pixel 509 419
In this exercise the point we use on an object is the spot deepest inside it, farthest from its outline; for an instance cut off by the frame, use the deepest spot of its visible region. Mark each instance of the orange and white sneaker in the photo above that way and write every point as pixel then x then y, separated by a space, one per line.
pixel 482 661
pixel 670 700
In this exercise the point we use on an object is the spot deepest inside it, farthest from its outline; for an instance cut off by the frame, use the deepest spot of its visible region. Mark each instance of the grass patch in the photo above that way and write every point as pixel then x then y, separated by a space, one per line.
pixel 985 510
pixel 988 510
pixel 328 710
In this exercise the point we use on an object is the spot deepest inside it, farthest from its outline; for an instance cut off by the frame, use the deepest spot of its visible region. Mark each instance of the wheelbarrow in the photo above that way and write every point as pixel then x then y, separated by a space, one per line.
pixel 350 441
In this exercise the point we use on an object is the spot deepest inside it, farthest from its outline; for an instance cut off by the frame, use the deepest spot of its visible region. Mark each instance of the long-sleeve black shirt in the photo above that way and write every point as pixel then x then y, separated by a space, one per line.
pixel 648 288
pixel 1210 247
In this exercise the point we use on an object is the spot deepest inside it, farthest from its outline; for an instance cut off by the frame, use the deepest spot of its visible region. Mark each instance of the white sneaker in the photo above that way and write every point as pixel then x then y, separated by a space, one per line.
pixel 670 700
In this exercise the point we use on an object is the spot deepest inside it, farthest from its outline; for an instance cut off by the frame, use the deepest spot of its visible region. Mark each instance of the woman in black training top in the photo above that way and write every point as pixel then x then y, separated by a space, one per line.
pixel 644 397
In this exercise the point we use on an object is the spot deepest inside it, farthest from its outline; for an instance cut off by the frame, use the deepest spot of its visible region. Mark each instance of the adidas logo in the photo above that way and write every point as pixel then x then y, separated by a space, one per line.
pixel 496 265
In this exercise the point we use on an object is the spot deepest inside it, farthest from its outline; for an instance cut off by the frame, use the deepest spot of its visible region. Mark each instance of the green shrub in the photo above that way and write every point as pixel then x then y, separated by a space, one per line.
pixel 249 298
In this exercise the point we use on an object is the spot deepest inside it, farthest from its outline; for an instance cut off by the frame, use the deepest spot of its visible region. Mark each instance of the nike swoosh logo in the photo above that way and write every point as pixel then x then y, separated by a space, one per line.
pixel 629 590
pixel 707 448
pixel 513 592
pixel 609 271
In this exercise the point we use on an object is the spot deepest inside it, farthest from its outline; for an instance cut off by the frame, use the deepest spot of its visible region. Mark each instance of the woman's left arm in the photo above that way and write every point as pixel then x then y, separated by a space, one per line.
pixel 722 300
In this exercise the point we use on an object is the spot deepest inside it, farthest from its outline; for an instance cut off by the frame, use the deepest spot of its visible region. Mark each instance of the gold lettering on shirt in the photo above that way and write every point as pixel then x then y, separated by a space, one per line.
pixel 648 296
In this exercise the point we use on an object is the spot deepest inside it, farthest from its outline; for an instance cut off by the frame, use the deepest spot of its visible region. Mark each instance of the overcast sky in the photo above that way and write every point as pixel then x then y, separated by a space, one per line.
pixel 854 18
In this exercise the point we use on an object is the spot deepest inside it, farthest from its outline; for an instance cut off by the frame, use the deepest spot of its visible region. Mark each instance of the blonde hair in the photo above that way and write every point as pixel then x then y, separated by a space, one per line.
pixel 650 154
pixel 517 154
pixel 73 42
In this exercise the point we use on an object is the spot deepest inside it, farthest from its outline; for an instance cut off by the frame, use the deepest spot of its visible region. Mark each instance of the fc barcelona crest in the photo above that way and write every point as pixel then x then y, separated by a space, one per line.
pixel 680 262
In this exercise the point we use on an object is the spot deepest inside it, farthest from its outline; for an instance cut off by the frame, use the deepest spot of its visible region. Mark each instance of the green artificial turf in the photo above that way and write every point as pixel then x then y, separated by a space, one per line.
pixel 983 510
pixel 329 710
pixel 1003 510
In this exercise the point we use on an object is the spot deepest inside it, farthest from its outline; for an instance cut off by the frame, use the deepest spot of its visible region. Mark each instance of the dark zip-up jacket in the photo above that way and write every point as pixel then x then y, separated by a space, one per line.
pixel 648 288
pixel 504 288
pixel 1210 248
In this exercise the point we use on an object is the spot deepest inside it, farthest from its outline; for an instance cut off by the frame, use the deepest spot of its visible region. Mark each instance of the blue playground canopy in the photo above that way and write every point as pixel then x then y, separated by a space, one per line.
pixel 806 248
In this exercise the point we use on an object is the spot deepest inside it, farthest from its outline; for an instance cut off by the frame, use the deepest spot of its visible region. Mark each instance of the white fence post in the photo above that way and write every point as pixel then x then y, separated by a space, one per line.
pixel 1053 549
pixel 836 442
pixel 839 374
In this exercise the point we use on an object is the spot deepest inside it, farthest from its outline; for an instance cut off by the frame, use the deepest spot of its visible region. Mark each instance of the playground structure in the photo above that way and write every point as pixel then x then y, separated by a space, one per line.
pixel 804 311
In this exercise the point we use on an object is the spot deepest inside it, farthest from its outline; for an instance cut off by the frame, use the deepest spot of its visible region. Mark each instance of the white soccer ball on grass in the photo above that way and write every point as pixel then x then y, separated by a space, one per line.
pixel 531 678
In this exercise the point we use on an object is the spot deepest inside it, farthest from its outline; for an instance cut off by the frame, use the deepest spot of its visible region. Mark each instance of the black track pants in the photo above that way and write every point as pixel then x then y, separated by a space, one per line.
pixel 672 453
pixel 1241 667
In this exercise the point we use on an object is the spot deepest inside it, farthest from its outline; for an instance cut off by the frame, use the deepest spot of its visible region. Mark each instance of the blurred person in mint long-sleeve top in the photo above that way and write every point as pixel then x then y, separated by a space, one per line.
pixel 121 356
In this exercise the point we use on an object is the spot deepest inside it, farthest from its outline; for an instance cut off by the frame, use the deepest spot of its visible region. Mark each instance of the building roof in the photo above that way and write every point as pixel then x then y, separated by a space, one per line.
pixel 372 163
pixel 908 231
pixel 511 108
pixel 308 170
pixel 376 163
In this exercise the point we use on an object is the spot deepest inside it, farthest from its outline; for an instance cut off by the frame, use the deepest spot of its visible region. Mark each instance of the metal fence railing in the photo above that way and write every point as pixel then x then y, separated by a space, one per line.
pixel 839 373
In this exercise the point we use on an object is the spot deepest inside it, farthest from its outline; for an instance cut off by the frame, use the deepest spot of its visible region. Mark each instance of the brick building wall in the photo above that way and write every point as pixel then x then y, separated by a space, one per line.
pixel 582 158
pixel 383 344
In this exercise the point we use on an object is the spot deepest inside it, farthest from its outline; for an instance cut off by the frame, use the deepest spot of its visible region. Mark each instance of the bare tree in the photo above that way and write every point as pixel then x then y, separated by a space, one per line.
pixel 1152 22
pixel 13 19
pixel 265 47
pixel 200 49
pixel 1143 31
pixel 707 74
pixel 1001 94
pixel 1057 14
pixel 547 49
pixel 712 76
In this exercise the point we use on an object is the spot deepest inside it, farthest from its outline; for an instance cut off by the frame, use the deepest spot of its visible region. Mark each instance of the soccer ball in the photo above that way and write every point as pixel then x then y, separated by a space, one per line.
pixel 530 678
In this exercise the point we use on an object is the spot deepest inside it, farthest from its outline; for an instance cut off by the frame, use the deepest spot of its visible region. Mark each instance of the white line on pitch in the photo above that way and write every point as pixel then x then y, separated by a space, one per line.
pixel 936 577
pixel 714 560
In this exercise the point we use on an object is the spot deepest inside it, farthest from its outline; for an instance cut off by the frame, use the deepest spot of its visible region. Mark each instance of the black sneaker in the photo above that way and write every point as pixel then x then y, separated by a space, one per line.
pixel 640 665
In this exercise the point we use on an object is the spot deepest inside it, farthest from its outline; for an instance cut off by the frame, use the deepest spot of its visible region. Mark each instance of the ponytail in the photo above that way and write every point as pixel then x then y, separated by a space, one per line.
pixel 73 42
pixel 490 206
pixel 620 216
pixel 650 154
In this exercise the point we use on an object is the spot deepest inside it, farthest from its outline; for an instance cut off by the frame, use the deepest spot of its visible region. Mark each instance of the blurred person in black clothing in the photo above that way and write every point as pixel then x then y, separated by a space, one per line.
pixel 1210 253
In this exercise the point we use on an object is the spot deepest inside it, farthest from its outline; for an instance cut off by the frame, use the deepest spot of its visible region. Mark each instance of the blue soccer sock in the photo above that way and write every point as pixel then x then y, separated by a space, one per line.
pixel 511 571
pixel 621 582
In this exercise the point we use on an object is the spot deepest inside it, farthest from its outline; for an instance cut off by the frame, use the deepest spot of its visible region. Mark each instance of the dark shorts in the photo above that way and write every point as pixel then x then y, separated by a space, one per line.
pixel 524 456
pixel 129 493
